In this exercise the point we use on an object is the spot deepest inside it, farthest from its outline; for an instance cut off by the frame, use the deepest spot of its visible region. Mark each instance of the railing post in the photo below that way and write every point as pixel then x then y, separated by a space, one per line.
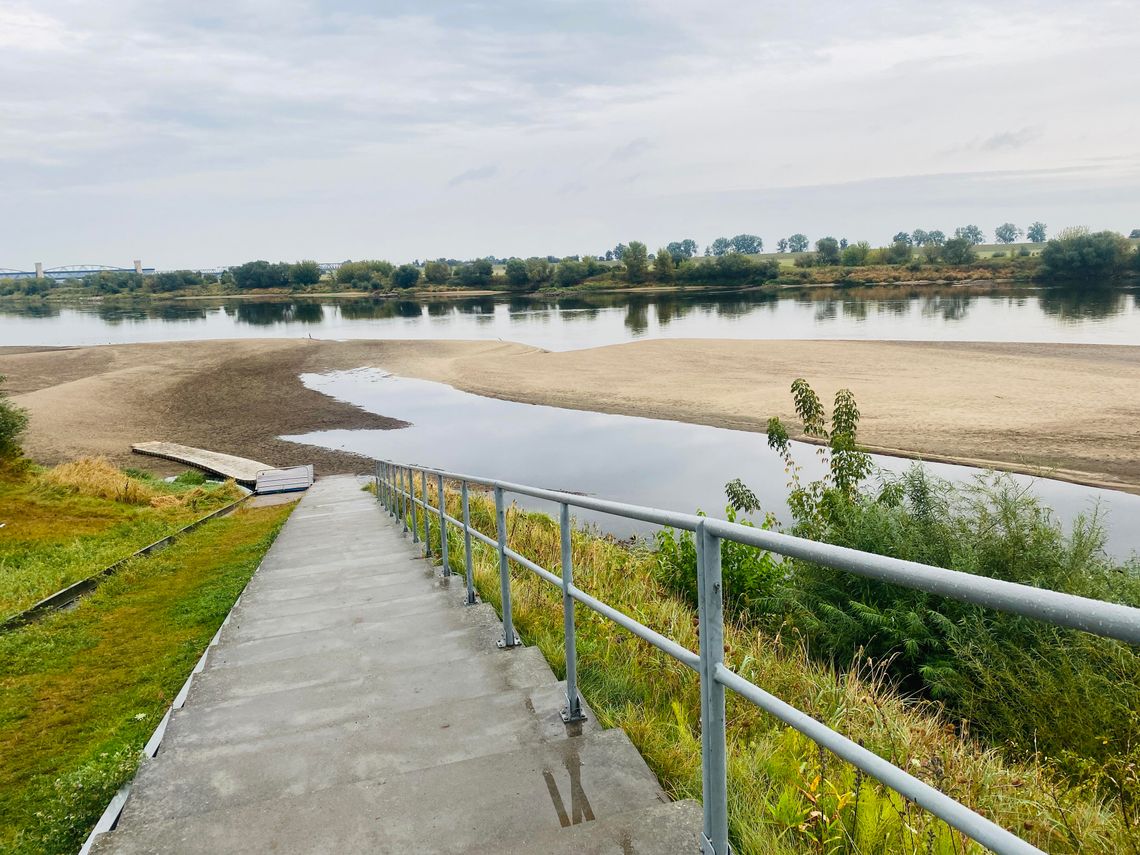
pixel 427 516
pixel 442 525
pixel 509 638
pixel 468 557
pixel 573 710
pixel 714 763
pixel 406 502
pixel 386 473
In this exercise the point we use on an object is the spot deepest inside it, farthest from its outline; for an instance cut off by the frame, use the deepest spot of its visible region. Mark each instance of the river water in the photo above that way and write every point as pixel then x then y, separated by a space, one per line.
pixel 949 314
pixel 653 462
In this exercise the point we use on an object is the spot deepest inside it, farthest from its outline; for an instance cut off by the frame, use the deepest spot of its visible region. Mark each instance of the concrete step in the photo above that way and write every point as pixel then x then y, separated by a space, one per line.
pixel 214 716
pixel 662 829
pixel 504 798
pixel 196 777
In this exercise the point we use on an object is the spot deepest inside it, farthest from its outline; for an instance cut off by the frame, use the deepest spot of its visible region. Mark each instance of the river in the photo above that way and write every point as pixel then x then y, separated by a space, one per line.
pixel 899 314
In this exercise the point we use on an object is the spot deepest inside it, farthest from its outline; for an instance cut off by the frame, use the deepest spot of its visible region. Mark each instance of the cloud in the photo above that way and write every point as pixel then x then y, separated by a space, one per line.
pixel 228 129
pixel 1009 140
pixel 479 173
pixel 631 150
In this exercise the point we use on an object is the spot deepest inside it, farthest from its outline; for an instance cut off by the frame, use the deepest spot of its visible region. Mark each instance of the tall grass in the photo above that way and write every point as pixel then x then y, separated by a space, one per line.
pixel 786 795
pixel 64 524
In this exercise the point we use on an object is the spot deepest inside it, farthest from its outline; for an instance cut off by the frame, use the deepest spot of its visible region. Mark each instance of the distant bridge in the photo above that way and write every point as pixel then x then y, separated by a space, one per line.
pixel 79 271
pixel 72 271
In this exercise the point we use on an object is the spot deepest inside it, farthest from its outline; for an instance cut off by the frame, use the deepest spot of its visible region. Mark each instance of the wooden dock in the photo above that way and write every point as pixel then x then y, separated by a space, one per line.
pixel 241 469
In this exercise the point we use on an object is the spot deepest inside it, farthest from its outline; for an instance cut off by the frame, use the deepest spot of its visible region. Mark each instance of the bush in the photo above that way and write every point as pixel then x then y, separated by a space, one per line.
pixel 365 274
pixel 405 276
pixel 1009 677
pixel 13 422
pixel 856 254
pixel 1077 256
pixel 958 250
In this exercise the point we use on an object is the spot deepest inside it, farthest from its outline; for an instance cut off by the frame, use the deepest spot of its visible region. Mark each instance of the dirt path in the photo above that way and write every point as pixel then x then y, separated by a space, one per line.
pixel 1073 409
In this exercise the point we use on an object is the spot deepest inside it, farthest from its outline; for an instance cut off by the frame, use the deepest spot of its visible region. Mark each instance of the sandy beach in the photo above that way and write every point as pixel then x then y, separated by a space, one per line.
pixel 1071 411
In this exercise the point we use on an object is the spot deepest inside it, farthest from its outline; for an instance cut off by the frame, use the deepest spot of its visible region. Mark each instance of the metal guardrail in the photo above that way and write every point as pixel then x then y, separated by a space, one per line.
pixel 395 488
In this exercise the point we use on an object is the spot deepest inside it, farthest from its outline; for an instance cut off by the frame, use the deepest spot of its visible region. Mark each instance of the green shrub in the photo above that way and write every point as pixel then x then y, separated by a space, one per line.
pixel 1065 695
pixel 13 422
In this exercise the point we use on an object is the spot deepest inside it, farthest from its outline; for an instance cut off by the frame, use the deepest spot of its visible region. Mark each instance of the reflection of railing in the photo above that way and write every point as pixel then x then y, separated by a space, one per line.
pixel 396 489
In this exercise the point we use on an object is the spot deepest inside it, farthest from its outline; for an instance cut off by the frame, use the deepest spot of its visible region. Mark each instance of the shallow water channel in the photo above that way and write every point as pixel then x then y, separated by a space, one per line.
pixel 652 462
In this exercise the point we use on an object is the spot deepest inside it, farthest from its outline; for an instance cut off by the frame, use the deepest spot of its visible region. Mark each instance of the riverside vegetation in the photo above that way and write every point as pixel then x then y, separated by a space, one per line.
pixel 1075 256
pixel 1034 727
pixel 81 691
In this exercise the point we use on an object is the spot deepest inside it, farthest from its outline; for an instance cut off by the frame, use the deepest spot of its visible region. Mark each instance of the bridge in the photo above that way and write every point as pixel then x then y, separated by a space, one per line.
pixel 81 271
pixel 72 271
pixel 358 700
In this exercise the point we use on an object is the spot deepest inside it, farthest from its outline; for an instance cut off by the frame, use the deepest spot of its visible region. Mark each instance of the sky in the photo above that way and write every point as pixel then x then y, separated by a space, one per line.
pixel 210 133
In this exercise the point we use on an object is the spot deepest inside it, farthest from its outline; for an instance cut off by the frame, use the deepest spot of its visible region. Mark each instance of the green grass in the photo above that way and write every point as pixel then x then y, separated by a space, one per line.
pixel 786 795
pixel 52 536
pixel 81 692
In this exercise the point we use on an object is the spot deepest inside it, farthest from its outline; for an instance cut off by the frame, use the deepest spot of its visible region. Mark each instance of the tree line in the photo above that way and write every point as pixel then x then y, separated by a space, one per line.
pixel 1074 255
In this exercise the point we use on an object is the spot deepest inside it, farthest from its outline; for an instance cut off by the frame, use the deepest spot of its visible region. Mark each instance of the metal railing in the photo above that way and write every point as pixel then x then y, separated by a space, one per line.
pixel 395 490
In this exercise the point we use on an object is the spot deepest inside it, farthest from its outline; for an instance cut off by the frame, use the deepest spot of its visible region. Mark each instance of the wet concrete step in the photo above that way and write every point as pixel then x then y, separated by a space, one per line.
pixel 196 776
pixel 665 828
pixel 504 798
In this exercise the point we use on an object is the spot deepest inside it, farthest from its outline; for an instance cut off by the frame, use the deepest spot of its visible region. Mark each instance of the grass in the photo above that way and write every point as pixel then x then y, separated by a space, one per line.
pixel 64 524
pixel 786 795
pixel 81 692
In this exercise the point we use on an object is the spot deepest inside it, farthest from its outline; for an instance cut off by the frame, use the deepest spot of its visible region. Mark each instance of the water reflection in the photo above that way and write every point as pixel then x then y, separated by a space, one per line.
pixel 591 320
pixel 1082 304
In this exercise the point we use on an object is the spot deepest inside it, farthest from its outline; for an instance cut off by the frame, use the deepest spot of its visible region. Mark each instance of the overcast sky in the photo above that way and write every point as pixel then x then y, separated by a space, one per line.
pixel 207 133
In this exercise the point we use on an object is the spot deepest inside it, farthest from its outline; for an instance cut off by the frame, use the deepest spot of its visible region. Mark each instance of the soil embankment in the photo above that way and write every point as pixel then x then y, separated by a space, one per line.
pixel 1070 409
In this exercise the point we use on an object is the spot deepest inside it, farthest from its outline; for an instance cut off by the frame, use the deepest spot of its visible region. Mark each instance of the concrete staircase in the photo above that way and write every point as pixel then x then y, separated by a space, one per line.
pixel 354 704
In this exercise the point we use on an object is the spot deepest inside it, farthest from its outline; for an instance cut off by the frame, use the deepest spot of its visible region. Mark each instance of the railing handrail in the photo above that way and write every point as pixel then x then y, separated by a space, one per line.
pixel 1110 620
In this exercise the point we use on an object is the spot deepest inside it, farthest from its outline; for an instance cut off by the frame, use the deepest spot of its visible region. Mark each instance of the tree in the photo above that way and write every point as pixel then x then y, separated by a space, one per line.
pixel 476 274
pixel 636 260
pixel 437 272
pixel 1007 233
pixel 609 255
pixel 13 422
pixel 920 237
pixel 782 245
pixel 664 268
pixel 827 250
pixel 958 250
pixel 904 238
pixel 570 272
pixel 365 274
pixel 1078 256
pixel 405 276
pixel 899 252
pixel 261 274
pixel 1134 234
pixel 682 249
pixel 936 237
pixel 516 274
pixel 843 243
pixel 1036 232
pixel 721 246
pixel 856 255
pixel 304 273
pixel 798 242
pixel 538 271
pixel 747 244
pixel 619 251
pixel 970 233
